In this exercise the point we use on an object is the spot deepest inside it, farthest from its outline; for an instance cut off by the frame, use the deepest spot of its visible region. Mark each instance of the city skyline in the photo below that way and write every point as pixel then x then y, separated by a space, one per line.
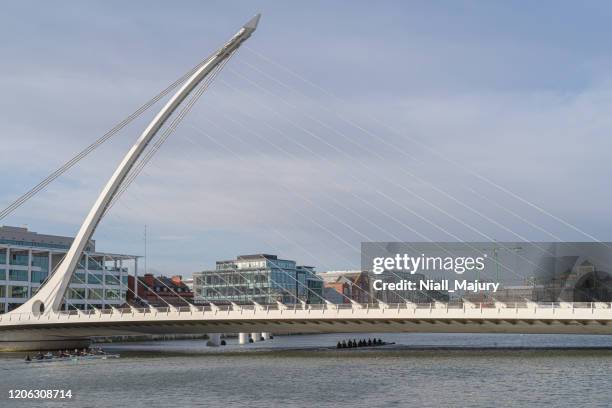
pixel 450 87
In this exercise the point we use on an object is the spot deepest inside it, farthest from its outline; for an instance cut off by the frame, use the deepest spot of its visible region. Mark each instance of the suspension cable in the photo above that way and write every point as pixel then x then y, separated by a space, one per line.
pixel 290 191
pixel 137 168
pixel 83 153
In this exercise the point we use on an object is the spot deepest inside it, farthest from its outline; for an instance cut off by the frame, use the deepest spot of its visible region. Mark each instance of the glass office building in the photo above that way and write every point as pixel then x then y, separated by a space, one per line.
pixel 262 278
pixel 27 258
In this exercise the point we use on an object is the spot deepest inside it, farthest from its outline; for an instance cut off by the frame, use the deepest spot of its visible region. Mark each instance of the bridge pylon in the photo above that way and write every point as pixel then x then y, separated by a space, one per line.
pixel 49 298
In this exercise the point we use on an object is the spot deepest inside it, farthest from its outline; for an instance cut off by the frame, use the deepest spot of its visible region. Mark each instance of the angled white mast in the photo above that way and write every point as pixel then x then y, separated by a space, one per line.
pixel 50 296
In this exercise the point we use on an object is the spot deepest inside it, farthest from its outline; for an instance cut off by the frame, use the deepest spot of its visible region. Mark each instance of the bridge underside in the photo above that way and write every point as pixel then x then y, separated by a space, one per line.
pixel 53 336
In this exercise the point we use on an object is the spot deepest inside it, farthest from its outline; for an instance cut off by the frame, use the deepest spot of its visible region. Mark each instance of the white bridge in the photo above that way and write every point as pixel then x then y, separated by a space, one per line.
pixel 40 323
pixel 67 328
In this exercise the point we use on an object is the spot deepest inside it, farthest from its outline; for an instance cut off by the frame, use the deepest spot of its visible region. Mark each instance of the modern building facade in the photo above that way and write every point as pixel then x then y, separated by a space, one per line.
pixel 189 283
pixel 27 258
pixel 261 278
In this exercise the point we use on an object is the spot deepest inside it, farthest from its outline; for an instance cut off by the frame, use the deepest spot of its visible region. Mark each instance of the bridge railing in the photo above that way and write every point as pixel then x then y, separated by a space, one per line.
pixel 214 309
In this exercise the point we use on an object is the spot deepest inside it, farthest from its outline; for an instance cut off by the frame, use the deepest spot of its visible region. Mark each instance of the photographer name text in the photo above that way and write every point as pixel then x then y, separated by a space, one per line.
pixel 444 285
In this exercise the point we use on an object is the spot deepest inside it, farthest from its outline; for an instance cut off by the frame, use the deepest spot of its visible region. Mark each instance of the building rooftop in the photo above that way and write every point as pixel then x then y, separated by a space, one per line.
pixel 255 256
pixel 22 236
pixel 338 276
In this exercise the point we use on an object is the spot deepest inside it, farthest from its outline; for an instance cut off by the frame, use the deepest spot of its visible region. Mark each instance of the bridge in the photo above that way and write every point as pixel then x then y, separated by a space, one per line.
pixel 74 328
pixel 40 323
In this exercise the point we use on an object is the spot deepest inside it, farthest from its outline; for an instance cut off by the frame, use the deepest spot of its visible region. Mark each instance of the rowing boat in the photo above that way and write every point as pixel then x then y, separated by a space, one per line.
pixel 73 358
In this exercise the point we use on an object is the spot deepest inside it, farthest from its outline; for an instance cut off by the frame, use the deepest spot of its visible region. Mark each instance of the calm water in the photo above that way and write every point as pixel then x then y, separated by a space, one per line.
pixel 423 370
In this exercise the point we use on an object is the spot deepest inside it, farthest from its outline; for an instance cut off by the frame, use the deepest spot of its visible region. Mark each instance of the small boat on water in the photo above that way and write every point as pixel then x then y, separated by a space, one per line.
pixel 96 354
pixel 362 344
pixel 72 358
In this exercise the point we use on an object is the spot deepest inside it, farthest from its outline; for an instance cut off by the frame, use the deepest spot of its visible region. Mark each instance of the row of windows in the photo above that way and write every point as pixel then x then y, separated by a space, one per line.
pixel 98 279
pixel 231 278
pixel 22 258
pixel 14 291
pixel 256 264
pixel 21 292
pixel 95 294
pixel 251 264
pixel 231 291
pixel 14 275
pixel 274 277
pixel 40 276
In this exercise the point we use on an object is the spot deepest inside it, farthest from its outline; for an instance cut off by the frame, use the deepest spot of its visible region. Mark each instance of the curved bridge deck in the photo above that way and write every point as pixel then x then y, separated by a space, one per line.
pixel 581 318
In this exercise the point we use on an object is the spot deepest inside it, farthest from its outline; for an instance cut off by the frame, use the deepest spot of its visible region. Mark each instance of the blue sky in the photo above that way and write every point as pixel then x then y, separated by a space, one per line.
pixel 267 162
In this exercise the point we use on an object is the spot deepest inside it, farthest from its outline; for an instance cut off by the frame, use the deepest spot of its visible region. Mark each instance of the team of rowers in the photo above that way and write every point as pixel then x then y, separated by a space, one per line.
pixel 92 351
pixel 361 343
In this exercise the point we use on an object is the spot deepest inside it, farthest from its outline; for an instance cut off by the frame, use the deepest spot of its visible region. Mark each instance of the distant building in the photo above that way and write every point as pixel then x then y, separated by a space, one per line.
pixel 568 279
pixel 262 278
pixel 340 286
pixel 160 291
pixel 189 283
pixel 27 258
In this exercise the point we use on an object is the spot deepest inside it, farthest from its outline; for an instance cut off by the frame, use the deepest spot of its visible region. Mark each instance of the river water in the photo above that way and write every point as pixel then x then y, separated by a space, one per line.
pixel 423 370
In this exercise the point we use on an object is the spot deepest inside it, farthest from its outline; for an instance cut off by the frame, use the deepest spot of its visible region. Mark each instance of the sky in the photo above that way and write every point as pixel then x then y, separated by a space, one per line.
pixel 338 123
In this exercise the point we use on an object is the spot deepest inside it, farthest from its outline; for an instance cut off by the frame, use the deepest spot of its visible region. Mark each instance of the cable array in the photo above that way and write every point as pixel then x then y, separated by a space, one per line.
pixel 93 146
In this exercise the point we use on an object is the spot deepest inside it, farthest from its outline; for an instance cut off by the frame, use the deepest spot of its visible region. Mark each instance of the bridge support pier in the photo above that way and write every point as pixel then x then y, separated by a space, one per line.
pixel 214 339
pixel 256 337
pixel 243 338
pixel 265 335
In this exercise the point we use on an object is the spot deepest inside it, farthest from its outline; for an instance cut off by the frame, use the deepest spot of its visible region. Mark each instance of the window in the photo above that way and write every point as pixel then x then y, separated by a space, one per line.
pixel 13 306
pixel 2 292
pixel 78 278
pixel 112 294
pixel 18 291
pixel 76 293
pixel 38 276
pixel 96 294
pixel 19 258
pixel 2 275
pixel 17 275
pixel 41 260
pixel 111 280
pixel 95 264
pixel 95 278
